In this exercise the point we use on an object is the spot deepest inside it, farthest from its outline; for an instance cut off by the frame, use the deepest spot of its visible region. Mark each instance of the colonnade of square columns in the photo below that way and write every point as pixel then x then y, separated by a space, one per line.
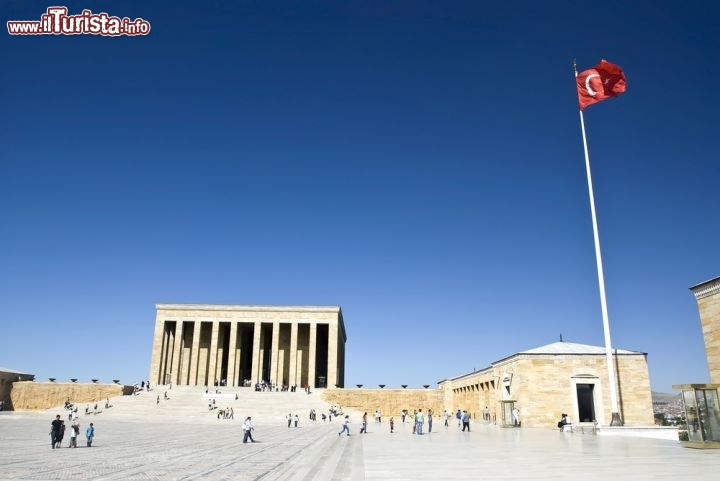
pixel 233 345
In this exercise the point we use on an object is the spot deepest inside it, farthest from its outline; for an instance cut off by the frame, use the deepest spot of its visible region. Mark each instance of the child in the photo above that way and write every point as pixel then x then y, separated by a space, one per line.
pixel 90 434
pixel 363 429
pixel 74 431
pixel 346 426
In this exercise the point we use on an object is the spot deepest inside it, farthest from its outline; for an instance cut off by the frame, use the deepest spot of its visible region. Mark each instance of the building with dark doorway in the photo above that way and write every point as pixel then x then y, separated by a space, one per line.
pixel 562 377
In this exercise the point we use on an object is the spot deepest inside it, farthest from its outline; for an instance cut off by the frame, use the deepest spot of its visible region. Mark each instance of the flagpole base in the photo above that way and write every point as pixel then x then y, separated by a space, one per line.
pixel 616 420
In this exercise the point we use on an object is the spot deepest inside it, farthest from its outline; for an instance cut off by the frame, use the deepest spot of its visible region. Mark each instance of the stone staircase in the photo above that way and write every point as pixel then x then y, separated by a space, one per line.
pixel 191 404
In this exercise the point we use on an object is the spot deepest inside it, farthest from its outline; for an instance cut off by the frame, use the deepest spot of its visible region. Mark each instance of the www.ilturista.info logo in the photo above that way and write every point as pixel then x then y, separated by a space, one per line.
pixel 57 22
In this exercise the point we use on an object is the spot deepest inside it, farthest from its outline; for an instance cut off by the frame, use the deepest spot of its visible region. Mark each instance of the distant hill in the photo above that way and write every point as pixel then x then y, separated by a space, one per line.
pixel 665 398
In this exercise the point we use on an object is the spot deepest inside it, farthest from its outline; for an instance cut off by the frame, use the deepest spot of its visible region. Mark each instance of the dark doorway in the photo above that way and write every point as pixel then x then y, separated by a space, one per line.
pixel 224 337
pixel 586 402
pixel 246 331
pixel 321 356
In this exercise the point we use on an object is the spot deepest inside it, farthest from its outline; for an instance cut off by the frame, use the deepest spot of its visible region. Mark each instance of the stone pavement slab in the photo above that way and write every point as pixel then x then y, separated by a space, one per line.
pixel 134 449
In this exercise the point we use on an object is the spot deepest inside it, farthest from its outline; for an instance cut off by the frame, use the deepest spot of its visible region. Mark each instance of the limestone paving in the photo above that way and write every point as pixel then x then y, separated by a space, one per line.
pixel 181 439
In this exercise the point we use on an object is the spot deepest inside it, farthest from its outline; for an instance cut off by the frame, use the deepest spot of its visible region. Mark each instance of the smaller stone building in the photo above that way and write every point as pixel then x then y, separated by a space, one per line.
pixel 562 377
pixel 7 378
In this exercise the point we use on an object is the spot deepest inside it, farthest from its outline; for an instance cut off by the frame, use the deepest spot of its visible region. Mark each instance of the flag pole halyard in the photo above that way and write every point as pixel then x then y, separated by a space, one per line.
pixel 616 419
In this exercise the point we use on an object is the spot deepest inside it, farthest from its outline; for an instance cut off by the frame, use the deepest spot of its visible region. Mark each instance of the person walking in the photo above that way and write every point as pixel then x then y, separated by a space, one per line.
pixel 296 420
pixel 419 421
pixel 55 431
pixel 346 426
pixel 392 424
pixel 446 417
pixel 74 431
pixel 363 427
pixel 516 416
pixel 61 435
pixel 90 434
pixel 248 429
pixel 465 421
pixel 429 416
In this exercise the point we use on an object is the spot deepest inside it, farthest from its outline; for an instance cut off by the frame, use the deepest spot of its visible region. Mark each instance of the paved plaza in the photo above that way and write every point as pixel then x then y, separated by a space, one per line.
pixel 143 440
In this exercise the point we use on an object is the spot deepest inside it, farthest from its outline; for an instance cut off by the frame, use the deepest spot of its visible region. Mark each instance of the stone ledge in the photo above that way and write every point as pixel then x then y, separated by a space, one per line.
pixel 35 396
pixel 655 432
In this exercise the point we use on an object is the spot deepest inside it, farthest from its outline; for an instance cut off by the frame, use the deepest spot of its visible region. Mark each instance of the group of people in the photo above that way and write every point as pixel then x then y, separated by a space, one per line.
pixel 293 419
pixel 463 419
pixel 420 420
pixel 144 385
pixel 226 413
pixel 334 411
pixel 272 387
pixel 57 432
pixel 264 386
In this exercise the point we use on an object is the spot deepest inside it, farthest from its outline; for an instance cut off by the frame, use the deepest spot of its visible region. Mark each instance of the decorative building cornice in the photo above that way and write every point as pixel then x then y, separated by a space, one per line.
pixel 707 288
pixel 250 308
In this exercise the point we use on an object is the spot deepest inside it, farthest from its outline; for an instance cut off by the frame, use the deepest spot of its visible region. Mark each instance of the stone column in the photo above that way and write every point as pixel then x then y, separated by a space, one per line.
pixel 195 355
pixel 311 353
pixel 293 353
pixel 274 353
pixel 166 353
pixel 213 354
pixel 177 349
pixel 332 355
pixel 157 350
pixel 232 355
pixel 255 374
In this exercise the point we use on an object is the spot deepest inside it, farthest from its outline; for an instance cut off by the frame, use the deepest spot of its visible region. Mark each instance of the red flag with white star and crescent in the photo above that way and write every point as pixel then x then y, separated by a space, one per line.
pixel 601 82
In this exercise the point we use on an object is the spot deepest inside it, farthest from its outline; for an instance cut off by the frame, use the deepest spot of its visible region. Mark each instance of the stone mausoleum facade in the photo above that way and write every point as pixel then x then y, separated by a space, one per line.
pixel 241 345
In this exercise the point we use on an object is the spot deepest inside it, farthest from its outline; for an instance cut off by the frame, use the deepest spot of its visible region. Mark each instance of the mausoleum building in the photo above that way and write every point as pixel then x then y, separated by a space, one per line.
pixel 236 345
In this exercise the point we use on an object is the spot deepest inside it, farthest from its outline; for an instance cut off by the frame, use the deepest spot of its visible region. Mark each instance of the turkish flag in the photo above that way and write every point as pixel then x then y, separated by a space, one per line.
pixel 601 82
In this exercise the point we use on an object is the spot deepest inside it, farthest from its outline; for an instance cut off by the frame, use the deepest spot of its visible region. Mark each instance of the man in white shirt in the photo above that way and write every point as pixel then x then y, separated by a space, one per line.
pixel 419 420
pixel 248 428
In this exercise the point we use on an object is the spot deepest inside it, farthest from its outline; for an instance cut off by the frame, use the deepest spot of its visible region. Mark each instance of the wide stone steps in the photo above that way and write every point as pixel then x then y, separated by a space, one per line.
pixel 192 404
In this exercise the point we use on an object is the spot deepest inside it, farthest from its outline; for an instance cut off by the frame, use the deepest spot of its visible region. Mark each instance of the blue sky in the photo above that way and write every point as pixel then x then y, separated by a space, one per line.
pixel 417 163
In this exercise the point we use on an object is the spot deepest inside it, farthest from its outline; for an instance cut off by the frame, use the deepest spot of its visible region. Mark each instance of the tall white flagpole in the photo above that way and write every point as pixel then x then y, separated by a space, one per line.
pixel 616 419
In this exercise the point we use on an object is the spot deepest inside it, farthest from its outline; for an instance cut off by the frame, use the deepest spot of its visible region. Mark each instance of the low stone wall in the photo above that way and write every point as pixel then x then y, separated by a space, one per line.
pixel 34 396
pixel 390 402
